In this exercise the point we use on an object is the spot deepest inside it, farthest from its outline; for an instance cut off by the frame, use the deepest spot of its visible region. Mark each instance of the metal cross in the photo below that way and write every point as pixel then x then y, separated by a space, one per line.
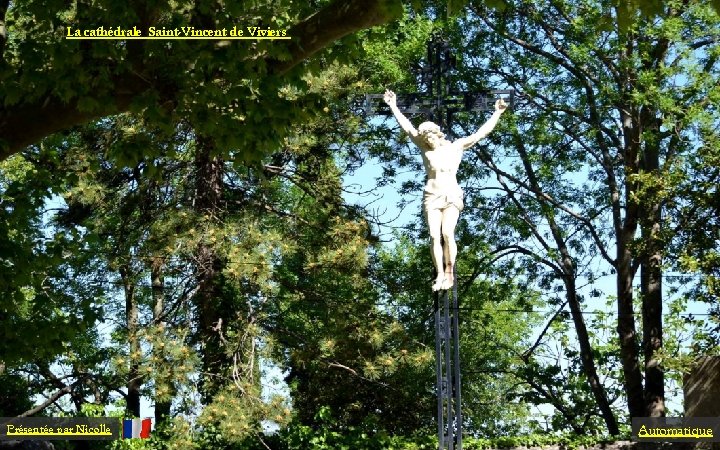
pixel 438 103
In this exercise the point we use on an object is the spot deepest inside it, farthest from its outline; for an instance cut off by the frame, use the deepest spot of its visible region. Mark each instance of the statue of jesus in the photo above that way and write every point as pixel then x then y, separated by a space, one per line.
pixel 443 197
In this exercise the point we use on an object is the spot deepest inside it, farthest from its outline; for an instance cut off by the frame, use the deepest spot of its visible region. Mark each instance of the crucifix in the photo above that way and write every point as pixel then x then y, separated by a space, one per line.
pixel 442 203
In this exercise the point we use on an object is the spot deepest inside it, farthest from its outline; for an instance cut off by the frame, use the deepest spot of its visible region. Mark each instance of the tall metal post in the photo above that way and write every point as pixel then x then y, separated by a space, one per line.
pixel 447 369
pixel 457 395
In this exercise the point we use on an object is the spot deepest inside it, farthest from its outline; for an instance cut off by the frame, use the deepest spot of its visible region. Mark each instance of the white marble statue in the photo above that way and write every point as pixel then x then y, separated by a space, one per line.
pixel 443 198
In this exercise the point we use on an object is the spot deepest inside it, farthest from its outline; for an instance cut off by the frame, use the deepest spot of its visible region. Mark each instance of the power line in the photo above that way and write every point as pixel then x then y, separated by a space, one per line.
pixel 607 313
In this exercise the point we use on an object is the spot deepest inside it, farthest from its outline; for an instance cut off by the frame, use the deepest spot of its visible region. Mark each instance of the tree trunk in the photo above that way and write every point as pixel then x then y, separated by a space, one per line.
pixel 208 206
pixel 651 274
pixel 569 273
pixel 624 236
pixel 131 321
pixel 162 407
pixel 651 289
pixel 588 362
pixel 628 335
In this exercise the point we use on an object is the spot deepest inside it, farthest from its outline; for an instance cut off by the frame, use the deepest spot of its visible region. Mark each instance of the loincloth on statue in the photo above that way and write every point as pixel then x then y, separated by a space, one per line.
pixel 442 200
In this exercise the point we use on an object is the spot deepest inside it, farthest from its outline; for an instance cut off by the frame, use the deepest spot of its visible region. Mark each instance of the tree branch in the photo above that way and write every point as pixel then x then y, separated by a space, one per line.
pixel 543 196
pixel 25 124
pixel 333 22
pixel 526 354
pixel 510 249
pixel 48 402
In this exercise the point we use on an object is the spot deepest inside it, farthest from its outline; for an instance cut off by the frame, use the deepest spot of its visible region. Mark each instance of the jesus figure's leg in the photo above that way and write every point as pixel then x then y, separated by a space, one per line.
pixel 434 219
pixel 450 217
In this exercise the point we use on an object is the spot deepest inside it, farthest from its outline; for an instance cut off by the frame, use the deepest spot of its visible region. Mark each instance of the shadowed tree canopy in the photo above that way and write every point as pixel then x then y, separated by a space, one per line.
pixel 48 83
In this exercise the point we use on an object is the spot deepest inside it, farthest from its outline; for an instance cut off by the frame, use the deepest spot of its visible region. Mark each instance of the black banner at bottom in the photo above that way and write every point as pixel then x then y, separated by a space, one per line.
pixel 59 428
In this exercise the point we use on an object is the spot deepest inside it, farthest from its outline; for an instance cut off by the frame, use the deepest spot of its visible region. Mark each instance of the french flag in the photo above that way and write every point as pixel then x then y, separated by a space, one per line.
pixel 137 428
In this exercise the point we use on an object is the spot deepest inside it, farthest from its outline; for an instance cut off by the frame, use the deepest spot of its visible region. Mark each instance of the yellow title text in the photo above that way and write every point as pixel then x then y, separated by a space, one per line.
pixel 77 430
pixel 687 432
pixel 235 32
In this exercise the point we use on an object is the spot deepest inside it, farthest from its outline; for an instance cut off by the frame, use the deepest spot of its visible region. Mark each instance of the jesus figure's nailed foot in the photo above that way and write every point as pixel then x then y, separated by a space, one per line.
pixel 446 284
pixel 439 281
pixel 449 278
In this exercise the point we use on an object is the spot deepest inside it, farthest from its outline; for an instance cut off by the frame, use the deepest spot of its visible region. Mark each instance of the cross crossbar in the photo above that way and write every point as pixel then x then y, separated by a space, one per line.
pixel 414 104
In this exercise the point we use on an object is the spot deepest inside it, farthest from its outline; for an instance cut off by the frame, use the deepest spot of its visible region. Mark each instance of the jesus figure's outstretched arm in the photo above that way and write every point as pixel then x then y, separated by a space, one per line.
pixel 405 124
pixel 469 141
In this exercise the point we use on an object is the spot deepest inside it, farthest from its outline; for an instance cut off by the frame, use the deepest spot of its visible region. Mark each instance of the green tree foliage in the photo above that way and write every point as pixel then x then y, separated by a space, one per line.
pixel 50 83
pixel 624 12
pixel 606 149
pixel 108 212
pixel 130 187
pixel 15 399
pixel 473 241
pixel 340 348
pixel 496 320
pixel 138 237
pixel 291 279
pixel 38 298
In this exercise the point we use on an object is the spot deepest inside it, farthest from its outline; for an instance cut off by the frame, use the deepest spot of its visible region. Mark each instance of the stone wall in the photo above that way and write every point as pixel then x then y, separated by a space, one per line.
pixel 702 388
